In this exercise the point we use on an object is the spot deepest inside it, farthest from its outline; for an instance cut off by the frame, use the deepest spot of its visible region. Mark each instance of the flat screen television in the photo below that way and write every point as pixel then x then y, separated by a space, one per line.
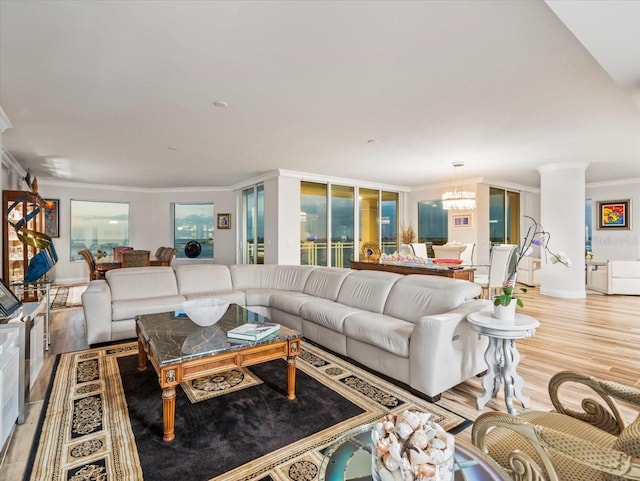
pixel 9 303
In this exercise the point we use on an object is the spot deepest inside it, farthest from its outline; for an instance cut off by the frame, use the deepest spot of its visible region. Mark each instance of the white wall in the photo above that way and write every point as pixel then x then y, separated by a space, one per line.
pixel 616 244
pixel 150 221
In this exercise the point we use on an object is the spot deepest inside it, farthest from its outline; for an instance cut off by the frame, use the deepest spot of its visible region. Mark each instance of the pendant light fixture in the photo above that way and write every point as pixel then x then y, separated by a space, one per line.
pixel 458 199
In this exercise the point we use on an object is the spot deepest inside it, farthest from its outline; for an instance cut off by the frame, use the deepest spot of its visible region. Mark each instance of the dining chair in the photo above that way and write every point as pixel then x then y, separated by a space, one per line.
pixel 419 249
pixel 448 251
pixel 136 258
pixel 159 253
pixel 168 254
pixel 117 252
pixel 91 264
pixel 467 255
pixel 501 259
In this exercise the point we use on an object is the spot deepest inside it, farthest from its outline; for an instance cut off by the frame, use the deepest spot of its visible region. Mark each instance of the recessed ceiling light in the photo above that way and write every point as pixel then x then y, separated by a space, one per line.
pixel 220 103
pixel 372 141
pixel 171 147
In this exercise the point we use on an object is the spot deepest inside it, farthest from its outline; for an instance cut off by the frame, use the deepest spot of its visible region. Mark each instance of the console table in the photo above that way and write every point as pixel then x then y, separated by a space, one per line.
pixel 502 355
pixel 465 273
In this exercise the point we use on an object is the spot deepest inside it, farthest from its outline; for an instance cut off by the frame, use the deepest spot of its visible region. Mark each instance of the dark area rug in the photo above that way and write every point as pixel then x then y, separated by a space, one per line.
pixel 217 435
pixel 103 420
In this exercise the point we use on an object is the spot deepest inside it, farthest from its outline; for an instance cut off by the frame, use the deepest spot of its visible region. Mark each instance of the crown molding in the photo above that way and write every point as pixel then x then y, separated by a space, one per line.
pixel 341 180
pixel 10 162
pixel 613 183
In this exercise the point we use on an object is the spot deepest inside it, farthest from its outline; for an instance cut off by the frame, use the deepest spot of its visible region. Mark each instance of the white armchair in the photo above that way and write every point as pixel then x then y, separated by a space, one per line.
pixel 528 272
pixel 614 277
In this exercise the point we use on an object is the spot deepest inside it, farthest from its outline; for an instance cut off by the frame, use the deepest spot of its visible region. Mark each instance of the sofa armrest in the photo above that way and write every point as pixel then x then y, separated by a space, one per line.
pixel 446 340
pixel 96 303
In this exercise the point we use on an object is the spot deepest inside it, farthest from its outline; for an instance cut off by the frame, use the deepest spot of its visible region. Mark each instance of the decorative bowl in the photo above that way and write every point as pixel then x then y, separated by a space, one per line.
pixel 205 312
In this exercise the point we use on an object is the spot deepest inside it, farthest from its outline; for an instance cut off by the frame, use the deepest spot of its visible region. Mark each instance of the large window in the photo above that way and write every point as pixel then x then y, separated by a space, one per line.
pixel 313 224
pixel 253 208
pixel 193 222
pixel 433 224
pixel 98 226
pixel 328 237
pixel 342 225
pixel 504 216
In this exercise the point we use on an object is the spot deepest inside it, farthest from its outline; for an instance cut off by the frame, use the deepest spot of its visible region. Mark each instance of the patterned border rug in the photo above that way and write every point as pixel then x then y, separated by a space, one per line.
pixel 89 430
pixel 66 297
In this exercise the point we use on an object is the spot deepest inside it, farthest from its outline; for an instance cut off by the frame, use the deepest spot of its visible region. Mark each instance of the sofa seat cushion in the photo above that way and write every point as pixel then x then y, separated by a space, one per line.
pixel 416 295
pixel 201 279
pixel 130 308
pixel 234 297
pixel 328 314
pixel 379 330
pixel 290 302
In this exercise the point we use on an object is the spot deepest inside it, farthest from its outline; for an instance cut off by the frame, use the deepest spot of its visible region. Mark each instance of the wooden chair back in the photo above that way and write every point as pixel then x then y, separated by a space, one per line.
pixel 117 252
pixel 91 263
pixel 136 258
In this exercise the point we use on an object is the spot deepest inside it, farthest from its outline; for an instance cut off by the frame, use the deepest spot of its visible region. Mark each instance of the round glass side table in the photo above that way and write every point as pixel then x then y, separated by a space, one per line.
pixel 348 458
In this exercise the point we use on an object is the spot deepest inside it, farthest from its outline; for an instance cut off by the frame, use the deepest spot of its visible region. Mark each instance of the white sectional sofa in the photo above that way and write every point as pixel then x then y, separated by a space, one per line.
pixel 411 328
pixel 614 277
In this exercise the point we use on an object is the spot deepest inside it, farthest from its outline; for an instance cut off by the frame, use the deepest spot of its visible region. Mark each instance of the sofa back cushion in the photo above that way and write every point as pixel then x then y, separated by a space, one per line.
pixel 276 277
pixel 141 282
pixel 202 279
pixel 417 295
pixel 625 269
pixel 367 290
pixel 326 282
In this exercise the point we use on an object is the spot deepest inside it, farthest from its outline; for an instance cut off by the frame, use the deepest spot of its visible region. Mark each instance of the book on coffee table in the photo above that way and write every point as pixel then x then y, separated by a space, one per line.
pixel 253 331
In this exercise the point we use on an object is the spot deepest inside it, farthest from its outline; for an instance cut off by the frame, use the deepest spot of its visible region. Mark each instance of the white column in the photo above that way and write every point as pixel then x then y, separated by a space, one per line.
pixel 562 201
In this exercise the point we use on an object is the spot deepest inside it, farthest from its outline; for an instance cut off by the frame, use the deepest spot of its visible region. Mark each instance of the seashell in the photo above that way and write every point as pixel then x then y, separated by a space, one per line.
pixel 427 471
pixel 379 428
pixel 418 456
pixel 438 443
pixel 375 437
pixel 411 418
pixel 419 439
pixel 394 448
pixel 388 426
pixel 385 474
pixel 404 430
pixel 390 462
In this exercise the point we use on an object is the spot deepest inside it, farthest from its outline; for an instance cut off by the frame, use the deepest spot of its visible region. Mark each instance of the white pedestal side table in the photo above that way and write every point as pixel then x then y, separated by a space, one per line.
pixel 502 355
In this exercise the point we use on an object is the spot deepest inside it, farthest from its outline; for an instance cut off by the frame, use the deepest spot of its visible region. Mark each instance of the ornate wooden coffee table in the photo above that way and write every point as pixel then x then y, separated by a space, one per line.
pixel 180 350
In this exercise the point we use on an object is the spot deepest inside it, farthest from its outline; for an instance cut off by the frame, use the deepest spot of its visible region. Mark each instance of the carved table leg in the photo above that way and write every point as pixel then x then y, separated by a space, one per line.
pixel 518 382
pixel 168 413
pixel 291 377
pixel 489 380
pixel 142 357
pixel 507 370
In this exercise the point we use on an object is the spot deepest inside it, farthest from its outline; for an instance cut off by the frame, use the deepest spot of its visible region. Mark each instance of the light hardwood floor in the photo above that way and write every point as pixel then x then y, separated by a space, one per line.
pixel 599 335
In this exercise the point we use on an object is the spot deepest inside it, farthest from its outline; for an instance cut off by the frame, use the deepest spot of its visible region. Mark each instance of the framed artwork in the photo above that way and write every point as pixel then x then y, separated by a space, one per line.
pixel 9 303
pixel 224 221
pixel 52 217
pixel 460 221
pixel 614 214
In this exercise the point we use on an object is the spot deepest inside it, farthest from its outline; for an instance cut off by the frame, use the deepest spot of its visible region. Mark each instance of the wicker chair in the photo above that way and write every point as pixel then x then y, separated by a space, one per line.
pixel 136 258
pixel 91 264
pixel 567 444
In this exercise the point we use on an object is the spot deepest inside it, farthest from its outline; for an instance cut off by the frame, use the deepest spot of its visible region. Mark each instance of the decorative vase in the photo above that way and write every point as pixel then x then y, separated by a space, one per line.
pixel 506 313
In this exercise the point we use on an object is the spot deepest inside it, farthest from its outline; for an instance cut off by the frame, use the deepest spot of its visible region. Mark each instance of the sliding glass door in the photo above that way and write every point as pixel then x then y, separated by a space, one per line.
pixel 253 225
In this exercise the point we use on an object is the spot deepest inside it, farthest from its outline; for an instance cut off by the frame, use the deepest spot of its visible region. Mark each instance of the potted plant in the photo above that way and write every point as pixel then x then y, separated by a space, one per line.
pixel 504 305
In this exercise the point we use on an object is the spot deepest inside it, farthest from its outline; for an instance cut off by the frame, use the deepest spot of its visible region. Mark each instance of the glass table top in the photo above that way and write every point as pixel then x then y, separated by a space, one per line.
pixel 349 459
pixel 175 338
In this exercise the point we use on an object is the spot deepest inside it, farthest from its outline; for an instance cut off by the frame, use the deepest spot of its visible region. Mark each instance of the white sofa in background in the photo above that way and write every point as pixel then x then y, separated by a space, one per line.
pixel 614 277
pixel 528 272
pixel 412 328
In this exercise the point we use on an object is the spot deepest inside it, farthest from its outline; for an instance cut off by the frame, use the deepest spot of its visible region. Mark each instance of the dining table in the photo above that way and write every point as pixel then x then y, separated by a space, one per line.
pixel 107 263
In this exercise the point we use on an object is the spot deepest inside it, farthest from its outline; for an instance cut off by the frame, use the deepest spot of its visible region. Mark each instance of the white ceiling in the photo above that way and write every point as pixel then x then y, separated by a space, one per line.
pixel 121 93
